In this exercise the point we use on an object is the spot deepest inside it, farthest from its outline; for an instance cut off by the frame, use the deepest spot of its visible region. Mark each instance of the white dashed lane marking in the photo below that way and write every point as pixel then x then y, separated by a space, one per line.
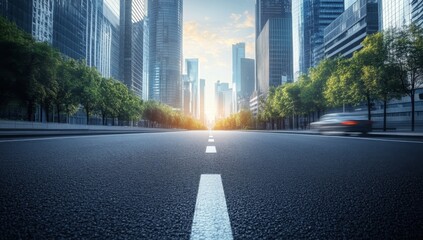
pixel 211 218
pixel 211 140
pixel 211 149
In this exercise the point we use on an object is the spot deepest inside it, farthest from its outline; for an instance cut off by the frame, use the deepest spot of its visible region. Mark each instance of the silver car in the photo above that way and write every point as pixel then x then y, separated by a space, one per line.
pixel 343 122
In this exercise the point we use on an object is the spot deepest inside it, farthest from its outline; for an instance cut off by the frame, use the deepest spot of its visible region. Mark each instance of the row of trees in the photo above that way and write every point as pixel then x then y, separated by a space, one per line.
pixel 390 65
pixel 35 74
pixel 242 120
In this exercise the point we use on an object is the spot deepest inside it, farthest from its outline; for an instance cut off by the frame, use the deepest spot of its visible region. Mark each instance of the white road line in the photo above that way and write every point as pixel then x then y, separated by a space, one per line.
pixel 211 149
pixel 211 140
pixel 210 136
pixel 211 218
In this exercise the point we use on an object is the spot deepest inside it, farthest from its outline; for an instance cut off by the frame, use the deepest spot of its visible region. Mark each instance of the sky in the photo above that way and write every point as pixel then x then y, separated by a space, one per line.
pixel 210 29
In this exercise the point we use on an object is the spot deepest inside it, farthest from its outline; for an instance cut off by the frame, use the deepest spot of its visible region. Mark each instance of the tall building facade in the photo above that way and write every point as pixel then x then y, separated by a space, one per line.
pixel 394 14
pixel 165 18
pixel 344 35
pixel 417 12
pixel 132 17
pixel 80 29
pixel 349 3
pixel 238 52
pixel 310 18
pixel 247 83
pixel 193 73
pixel 223 99
pixel 202 100
pixel 274 54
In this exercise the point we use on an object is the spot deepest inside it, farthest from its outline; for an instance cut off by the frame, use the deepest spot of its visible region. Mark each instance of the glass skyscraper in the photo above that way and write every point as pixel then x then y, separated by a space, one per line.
pixel 345 34
pixel 349 3
pixel 192 74
pixel 274 54
pixel 309 21
pixel 394 13
pixel 417 12
pixel 165 18
pixel 132 16
pixel 238 52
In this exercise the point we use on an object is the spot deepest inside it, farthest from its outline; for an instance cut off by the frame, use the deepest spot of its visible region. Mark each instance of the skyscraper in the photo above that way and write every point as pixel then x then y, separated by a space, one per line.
pixel 238 52
pixel 348 3
pixel 394 13
pixel 273 44
pixel 309 21
pixel 192 73
pixel 345 34
pixel 132 16
pixel 417 12
pixel 202 100
pixel 247 82
pixel 165 18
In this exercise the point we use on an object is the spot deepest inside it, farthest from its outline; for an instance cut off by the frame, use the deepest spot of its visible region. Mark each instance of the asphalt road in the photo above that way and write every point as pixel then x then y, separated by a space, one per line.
pixel 276 186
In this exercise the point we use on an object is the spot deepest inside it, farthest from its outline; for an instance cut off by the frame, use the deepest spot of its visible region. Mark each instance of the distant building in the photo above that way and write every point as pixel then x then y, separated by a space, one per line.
pixel 223 99
pixel 202 100
pixel 165 69
pixel 273 44
pixel 187 95
pixel 192 73
pixel 238 52
pixel 309 21
pixel 344 35
pixel 247 83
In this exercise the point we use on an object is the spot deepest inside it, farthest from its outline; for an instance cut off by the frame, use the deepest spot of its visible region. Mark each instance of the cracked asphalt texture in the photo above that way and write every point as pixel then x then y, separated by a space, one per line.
pixel 277 186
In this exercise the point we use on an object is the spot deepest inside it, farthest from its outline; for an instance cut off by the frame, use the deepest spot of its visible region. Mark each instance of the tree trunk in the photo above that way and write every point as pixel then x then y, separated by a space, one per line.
pixel 88 116
pixel 58 112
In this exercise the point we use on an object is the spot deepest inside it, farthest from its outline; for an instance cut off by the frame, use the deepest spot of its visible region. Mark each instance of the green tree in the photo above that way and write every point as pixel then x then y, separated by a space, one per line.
pixel 406 56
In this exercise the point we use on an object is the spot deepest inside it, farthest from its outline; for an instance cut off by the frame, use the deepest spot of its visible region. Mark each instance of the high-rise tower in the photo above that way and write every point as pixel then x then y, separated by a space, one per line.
pixel 132 17
pixel 273 43
pixel 165 18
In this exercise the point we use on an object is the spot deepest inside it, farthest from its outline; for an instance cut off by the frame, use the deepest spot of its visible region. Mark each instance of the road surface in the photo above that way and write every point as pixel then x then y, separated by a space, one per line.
pixel 201 184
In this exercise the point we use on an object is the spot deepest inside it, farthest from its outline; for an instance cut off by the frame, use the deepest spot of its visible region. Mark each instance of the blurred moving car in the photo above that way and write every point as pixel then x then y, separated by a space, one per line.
pixel 343 122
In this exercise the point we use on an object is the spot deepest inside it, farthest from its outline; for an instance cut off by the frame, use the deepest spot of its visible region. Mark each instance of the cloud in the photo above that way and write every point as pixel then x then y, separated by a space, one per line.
pixel 242 21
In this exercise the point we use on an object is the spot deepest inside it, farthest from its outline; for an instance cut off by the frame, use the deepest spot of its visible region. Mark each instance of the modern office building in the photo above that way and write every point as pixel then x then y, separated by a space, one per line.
pixel 19 12
pixel 187 95
pixel 310 18
pixel 238 52
pixel 132 16
pixel 193 73
pixel 202 100
pixel 247 83
pixel 79 29
pixel 417 12
pixel 165 19
pixel 223 99
pixel 394 14
pixel 349 3
pixel 274 54
pixel 344 35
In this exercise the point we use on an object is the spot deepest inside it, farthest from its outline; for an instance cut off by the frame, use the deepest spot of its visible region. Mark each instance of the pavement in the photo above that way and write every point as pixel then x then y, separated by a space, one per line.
pixel 211 185
pixel 22 133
